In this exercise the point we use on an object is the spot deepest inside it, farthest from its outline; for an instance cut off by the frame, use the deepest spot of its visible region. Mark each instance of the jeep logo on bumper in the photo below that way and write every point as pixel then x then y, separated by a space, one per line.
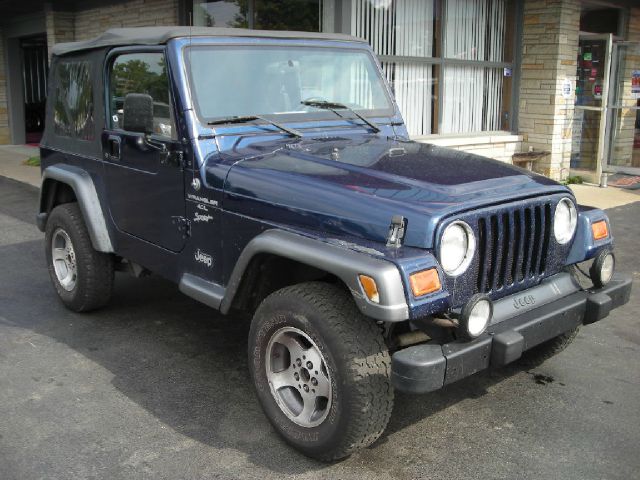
pixel 525 301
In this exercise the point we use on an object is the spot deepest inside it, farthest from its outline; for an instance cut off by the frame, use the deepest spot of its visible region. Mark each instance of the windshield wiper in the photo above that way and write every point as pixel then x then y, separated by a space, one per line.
pixel 333 106
pixel 248 118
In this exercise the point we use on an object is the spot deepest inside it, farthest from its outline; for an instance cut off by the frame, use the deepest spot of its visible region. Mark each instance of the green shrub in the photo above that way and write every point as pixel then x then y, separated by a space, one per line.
pixel 33 161
pixel 573 180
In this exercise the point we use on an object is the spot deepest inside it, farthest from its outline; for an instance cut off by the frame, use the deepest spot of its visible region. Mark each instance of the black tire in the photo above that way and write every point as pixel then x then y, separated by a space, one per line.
pixel 356 357
pixel 95 270
pixel 540 353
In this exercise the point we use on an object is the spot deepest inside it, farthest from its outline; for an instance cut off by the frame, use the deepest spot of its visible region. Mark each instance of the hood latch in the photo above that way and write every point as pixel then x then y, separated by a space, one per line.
pixel 396 231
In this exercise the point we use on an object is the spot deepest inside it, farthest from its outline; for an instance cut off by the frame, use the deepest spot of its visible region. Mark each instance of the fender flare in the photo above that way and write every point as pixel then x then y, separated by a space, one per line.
pixel 343 262
pixel 82 185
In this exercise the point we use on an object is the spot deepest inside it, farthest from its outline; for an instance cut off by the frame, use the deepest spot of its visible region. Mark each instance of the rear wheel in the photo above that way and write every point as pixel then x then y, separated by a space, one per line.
pixel 540 353
pixel 82 276
pixel 321 370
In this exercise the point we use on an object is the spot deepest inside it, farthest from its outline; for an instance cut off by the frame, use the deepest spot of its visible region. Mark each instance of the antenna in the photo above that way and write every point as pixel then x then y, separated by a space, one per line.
pixel 195 183
pixel 190 33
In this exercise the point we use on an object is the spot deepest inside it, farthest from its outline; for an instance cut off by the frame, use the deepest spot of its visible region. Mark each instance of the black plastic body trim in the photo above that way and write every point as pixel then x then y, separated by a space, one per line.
pixel 344 263
pixel 428 367
pixel 206 292
pixel 82 184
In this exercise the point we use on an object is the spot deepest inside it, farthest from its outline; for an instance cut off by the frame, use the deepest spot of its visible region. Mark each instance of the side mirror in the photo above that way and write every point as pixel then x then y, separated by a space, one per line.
pixel 138 113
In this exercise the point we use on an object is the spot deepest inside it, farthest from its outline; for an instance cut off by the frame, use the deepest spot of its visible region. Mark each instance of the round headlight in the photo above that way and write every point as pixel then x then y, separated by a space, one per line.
pixel 602 269
pixel 457 247
pixel 565 221
pixel 475 316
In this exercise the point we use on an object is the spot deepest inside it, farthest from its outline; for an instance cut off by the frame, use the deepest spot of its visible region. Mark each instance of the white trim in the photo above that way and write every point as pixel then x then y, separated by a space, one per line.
pixel 462 140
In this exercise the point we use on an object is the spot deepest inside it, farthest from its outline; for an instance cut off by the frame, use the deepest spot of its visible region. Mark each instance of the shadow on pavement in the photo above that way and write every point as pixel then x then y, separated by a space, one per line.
pixel 184 363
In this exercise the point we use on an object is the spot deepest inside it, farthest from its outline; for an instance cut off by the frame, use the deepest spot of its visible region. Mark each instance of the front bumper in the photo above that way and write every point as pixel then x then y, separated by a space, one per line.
pixel 428 367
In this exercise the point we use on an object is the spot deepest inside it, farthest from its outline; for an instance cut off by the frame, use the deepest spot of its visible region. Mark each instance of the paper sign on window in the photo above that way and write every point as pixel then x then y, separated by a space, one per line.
pixel 635 83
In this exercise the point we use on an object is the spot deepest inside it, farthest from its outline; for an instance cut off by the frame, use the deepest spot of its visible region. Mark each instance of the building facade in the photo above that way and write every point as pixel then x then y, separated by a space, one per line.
pixel 495 77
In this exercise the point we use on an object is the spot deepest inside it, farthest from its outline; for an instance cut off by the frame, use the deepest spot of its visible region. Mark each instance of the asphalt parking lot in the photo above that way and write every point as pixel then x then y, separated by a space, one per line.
pixel 156 386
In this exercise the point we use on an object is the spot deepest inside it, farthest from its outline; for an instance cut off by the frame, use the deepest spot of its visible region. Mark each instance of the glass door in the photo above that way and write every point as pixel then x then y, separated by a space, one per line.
pixel 590 115
pixel 623 125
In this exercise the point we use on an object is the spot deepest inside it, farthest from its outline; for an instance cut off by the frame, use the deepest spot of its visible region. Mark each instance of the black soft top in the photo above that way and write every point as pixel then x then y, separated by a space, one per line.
pixel 115 37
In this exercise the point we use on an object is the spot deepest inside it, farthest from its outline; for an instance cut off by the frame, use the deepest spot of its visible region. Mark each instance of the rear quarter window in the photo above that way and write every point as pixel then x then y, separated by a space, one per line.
pixel 73 108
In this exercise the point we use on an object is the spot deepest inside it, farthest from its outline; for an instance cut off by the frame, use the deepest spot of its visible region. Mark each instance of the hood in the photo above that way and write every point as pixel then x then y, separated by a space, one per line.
pixel 353 186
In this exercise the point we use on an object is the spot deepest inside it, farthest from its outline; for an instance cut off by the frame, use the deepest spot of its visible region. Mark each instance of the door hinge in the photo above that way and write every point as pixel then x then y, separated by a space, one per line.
pixel 183 225
pixel 174 158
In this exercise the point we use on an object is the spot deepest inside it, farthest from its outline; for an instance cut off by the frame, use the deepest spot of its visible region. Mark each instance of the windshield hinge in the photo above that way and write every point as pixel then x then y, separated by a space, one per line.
pixel 396 231
pixel 174 158
pixel 183 225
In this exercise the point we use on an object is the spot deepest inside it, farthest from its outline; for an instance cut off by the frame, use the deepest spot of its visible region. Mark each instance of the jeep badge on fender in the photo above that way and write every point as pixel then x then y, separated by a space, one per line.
pixel 272 173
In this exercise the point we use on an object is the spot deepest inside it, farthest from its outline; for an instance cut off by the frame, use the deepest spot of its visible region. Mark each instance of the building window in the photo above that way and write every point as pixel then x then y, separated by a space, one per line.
pixel 449 61
pixel 221 13
pixel 300 15
pixel 73 104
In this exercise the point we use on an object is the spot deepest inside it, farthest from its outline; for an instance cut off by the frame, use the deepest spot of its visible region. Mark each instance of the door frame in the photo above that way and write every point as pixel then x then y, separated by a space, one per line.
pixel 612 108
pixel 595 176
pixel 146 143
pixel 24 26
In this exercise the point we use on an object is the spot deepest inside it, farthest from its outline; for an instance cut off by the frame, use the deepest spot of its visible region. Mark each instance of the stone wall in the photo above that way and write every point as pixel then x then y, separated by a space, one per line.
pixel 549 53
pixel 499 146
pixel 60 27
pixel 135 13
pixel 4 107
pixel 66 26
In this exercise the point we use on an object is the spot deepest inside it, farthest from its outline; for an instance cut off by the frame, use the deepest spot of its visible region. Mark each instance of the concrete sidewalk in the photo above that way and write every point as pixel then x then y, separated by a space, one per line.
pixel 12 158
pixel 604 198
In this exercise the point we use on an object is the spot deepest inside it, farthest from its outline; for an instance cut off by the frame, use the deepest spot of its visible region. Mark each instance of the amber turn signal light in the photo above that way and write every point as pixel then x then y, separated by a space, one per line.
pixel 426 281
pixel 600 230
pixel 370 288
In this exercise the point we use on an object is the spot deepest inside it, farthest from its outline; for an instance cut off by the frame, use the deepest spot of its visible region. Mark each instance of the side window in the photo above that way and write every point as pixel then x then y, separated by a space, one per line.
pixel 141 73
pixel 73 101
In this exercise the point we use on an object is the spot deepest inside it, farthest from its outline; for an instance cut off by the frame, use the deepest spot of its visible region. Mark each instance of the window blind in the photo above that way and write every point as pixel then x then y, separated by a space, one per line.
pixel 472 95
pixel 402 28
pixel 472 31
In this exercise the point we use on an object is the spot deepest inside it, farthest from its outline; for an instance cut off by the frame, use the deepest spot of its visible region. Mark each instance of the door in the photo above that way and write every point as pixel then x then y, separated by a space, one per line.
pixel 35 67
pixel 590 114
pixel 623 123
pixel 143 171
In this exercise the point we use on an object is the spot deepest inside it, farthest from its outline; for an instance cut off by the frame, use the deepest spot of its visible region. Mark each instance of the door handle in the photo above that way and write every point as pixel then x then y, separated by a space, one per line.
pixel 159 147
pixel 113 148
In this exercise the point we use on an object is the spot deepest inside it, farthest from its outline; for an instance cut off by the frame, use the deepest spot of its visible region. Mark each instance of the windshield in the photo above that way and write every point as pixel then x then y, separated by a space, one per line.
pixel 249 80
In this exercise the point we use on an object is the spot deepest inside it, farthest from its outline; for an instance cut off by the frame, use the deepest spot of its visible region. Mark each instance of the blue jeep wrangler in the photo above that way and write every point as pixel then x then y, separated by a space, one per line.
pixel 271 172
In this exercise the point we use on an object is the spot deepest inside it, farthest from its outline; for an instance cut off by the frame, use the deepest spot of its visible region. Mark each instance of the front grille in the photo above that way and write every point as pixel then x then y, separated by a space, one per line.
pixel 513 246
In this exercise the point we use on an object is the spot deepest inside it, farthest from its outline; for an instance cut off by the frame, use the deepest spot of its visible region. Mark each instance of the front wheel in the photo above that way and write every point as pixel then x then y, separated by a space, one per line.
pixel 321 370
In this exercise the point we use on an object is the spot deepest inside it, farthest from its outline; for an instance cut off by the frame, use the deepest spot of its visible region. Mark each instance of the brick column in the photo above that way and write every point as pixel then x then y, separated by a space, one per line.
pixel 60 26
pixel 622 153
pixel 549 52
pixel 132 13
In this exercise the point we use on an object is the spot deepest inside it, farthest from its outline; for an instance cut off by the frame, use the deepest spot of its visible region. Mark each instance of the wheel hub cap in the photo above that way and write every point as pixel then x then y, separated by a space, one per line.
pixel 63 257
pixel 298 377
